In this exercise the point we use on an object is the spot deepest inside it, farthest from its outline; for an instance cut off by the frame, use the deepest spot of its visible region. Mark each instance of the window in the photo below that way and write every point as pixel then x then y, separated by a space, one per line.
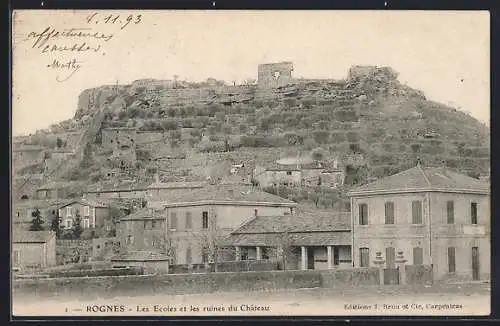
pixel 416 212
pixel 255 212
pixel 86 223
pixel 451 260
pixel 363 214
pixel 68 211
pixel 153 224
pixel 189 220
pixel 450 212
pixel 145 225
pixel 69 223
pixel 86 211
pixel 204 217
pixel 418 256
pixel 188 255
pixel 130 239
pixel 389 213
pixel 173 221
pixel 473 213
pixel 390 257
pixel 17 213
pixel 364 257
pixel 288 172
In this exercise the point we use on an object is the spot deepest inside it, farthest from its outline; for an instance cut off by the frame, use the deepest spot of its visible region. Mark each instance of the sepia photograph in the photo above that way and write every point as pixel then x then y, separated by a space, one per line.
pixel 250 163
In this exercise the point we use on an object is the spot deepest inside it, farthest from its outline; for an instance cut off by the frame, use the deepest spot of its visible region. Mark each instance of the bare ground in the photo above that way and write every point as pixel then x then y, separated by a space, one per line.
pixel 439 299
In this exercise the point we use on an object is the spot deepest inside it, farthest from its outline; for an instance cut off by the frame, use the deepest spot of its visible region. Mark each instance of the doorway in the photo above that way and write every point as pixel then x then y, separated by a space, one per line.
pixel 475 263
pixel 310 258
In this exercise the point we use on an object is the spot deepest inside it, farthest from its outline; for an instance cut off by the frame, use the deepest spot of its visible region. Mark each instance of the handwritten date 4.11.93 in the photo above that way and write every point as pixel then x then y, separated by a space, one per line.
pixel 97 18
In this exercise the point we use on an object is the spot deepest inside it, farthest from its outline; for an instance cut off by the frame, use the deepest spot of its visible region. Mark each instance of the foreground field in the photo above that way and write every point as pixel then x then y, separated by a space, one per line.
pixel 440 300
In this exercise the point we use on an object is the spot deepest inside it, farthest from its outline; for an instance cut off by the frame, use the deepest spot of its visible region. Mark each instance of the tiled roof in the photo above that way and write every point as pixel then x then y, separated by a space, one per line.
pixel 281 167
pixel 20 236
pixel 294 239
pixel 86 202
pixel 57 185
pixel 39 203
pixel 125 187
pixel 27 148
pixel 177 185
pixel 302 222
pixel 227 193
pixel 140 256
pixel 424 179
pixel 143 213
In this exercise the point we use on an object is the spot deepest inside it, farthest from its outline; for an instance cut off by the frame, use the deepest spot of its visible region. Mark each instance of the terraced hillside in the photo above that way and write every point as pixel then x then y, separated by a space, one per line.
pixel 372 123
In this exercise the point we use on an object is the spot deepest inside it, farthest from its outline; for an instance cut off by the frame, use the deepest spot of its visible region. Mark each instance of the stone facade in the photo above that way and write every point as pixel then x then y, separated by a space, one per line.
pixel 445 227
pixel 273 75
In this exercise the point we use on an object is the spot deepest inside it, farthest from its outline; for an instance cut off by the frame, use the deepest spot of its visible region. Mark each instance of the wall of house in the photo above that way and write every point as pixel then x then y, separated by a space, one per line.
pixel 275 74
pixel 25 158
pixel 310 177
pixel 77 208
pixel 165 193
pixel 461 235
pixel 226 217
pixel 145 236
pixel 115 194
pixel 269 178
pixel 101 214
pixel 30 254
pixel 402 235
pixel 50 250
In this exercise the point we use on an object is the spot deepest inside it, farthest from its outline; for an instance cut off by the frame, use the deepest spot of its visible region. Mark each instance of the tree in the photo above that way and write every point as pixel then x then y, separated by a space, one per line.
pixel 37 221
pixel 284 248
pixel 214 244
pixel 56 224
pixel 77 229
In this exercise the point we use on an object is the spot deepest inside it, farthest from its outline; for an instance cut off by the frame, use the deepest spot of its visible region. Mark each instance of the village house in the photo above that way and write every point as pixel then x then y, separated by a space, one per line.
pixel 312 174
pixel 27 155
pixel 164 190
pixel 144 229
pixel 55 190
pixel 22 211
pixel 319 240
pixel 200 220
pixel 433 216
pixel 99 192
pixel 93 214
pixel 33 249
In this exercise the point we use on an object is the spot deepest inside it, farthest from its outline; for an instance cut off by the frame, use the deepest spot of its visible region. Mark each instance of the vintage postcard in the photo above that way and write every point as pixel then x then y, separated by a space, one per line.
pixel 250 163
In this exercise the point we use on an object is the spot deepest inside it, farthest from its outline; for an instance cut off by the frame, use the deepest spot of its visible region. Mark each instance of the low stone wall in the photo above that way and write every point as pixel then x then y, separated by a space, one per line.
pixel 419 274
pixel 108 287
pixel 73 251
pixel 350 277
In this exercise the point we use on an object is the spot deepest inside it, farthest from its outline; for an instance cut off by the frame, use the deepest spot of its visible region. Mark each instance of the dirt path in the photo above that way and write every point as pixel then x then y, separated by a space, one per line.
pixel 437 300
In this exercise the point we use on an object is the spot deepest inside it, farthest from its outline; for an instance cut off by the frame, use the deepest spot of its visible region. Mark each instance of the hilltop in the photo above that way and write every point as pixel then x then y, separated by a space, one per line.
pixel 370 122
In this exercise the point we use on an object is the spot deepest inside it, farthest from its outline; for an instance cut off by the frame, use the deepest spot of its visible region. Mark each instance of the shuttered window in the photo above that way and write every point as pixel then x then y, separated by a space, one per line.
pixel 418 256
pixel 416 209
pixel 473 213
pixel 189 220
pixel 451 259
pixel 173 221
pixel 389 213
pixel 364 257
pixel 363 214
pixel 450 212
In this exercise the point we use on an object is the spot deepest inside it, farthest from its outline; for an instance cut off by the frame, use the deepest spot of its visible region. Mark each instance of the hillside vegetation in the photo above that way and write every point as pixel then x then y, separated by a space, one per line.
pixel 372 123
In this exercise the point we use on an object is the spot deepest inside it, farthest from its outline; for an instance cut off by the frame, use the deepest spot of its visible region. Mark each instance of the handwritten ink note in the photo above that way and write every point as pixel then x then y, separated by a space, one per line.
pixel 68 49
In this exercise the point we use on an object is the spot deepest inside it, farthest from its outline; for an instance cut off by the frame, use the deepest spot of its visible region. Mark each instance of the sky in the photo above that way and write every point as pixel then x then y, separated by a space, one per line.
pixel 444 54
